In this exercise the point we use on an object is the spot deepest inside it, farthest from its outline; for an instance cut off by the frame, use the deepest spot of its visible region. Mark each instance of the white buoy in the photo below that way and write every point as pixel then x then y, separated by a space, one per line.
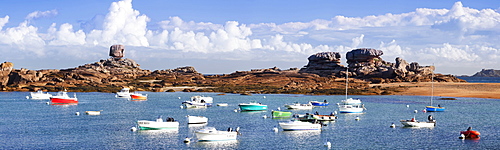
pixel 279 108
pixel 275 129
pixel 181 106
pixel 408 106
pixel 357 118
pixel 328 144
pixel 265 116
pixel 179 97
pixel 264 96
pixel 187 140
pixel 462 136
pixel 27 97
pixel 77 113
pixel 415 111
pixel 334 112
pixel 47 103
pixel 393 125
pixel 235 110
pixel 424 110
pixel 133 129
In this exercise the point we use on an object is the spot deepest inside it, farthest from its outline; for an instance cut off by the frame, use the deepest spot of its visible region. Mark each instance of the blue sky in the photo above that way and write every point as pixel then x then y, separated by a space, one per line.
pixel 459 37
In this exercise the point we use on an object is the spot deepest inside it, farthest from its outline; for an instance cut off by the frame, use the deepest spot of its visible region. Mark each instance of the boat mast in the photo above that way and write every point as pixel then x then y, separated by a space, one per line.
pixel 346 81
pixel 432 84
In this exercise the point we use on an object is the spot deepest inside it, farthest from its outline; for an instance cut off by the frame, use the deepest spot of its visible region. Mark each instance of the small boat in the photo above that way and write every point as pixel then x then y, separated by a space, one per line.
pixel 318 103
pixel 351 101
pixel 40 95
pixel 138 96
pixel 316 117
pixel 123 93
pixel 198 101
pixel 415 123
pixel 295 125
pixel 470 134
pixel 159 124
pixel 431 108
pixel 351 108
pixel 299 106
pixel 93 112
pixel 197 119
pixel 222 104
pixel 350 105
pixel 63 98
pixel 252 106
pixel 281 114
pixel 210 134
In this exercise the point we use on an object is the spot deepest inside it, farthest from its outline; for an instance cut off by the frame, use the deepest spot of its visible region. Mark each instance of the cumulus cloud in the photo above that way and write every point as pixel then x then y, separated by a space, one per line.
pixel 41 14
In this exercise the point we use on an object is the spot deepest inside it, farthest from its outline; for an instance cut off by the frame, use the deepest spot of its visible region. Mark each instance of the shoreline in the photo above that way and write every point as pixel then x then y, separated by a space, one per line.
pixel 447 89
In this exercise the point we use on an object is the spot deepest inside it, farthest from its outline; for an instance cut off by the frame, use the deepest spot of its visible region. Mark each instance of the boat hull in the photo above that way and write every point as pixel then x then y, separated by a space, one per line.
pixel 153 125
pixel 40 95
pixel 281 114
pixel 93 112
pixel 299 126
pixel 138 97
pixel 245 107
pixel 470 134
pixel 212 135
pixel 317 118
pixel 408 123
pixel 434 109
pixel 316 103
pixel 299 106
pixel 197 120
pixel 56 100
pixel 350 109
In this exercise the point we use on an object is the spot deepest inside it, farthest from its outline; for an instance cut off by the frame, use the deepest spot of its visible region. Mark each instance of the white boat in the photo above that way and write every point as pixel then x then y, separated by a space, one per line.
pixel 416 123
pixel 210 134
pixel 123 93
pixel 159 124
pixel 198 101
pixel 350 105
pixel 93 112
pixel 316 117
pixel 295 125
pixel 222 104
pixel 299 106
pixel 197 119
pixel 40 95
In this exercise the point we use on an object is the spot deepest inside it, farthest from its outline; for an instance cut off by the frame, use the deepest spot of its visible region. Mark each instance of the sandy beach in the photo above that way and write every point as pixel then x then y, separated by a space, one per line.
pixel 449 89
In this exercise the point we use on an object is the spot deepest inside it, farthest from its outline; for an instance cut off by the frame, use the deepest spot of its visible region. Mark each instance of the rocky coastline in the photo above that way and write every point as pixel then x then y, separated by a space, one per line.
pixel 322 75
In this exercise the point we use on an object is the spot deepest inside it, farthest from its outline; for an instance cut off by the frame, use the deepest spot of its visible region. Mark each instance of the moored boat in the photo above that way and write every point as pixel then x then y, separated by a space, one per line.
pixel 63 98
pixel 350 105
pixel 351 101
pixel 415 123
pixel 295 125
pixel 93 112
pixel 299 106
pixel 40 95
pixel 318 103
pixel 351 108
pixel 432 108
pixel 138 96
pixel 123 93
pixel 210 134
pixel 470 134
pixel 281 114
pixel 252 106
pixel 197 119
pixel 198 101
pixel 316 117
pixel 159 124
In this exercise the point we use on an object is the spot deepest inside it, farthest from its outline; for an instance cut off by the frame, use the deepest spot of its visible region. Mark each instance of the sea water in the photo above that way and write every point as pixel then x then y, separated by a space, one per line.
pixel 33 124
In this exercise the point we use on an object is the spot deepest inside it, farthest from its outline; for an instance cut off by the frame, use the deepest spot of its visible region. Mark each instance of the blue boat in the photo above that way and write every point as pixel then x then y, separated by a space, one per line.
pixel 317 103
pixel 431 108
pixel 252 106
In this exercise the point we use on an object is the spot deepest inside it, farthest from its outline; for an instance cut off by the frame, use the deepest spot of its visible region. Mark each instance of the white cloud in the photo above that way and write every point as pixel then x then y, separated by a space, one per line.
pixel 41 14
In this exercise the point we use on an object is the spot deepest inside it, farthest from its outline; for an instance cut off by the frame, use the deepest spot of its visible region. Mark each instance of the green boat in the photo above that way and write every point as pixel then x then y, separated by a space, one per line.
pixel 281 114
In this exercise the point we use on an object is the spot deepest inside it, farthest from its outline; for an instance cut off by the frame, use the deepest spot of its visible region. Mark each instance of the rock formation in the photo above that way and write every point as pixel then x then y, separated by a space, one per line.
pixel 487 73
pixel 323 64
pixel 117 51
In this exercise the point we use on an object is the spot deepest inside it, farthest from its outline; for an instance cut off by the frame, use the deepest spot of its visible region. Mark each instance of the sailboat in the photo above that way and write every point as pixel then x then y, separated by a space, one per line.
pixel 350 105
pixel 431 108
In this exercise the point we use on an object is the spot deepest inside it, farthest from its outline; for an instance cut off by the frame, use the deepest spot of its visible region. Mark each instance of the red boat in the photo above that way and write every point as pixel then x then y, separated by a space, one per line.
pixel 63 98
pixel 138 96
pixel 470 134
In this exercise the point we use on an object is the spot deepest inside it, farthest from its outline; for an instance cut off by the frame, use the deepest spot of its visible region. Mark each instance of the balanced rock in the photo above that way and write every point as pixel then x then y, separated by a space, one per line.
pixel 363 55
pixel 5 69
pixel 323 64
pixel 117 51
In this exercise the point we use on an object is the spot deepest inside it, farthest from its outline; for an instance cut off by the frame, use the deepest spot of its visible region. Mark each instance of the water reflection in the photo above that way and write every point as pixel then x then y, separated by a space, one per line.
pixel 233 144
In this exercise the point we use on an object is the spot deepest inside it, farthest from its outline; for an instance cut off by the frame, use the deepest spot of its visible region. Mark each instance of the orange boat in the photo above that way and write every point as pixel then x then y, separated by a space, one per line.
pixel 470 134
pixel 138 96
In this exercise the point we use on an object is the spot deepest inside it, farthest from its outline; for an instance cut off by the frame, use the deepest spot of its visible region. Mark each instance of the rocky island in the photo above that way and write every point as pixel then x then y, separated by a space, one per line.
pixel 368 75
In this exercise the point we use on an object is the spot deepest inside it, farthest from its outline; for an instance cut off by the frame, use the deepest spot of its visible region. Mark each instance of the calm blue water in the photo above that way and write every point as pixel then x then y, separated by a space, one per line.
pixel 481 79
pixel 32 124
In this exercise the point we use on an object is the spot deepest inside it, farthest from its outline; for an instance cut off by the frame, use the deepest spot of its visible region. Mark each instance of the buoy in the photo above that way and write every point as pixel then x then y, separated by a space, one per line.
pixel 265 116
pixel 334 112
pixel 181 106
pixel 187 140
pixel 275 129
pixel 279 108
pixel 393 125
pixel 27 97
pixel 264 96
pixel 408 106
pixel 415 111
pixel 424 110
pixel 328 144
pixel 462 136
pixel 47 103
pixel 133 129
pixel 77 113
pixel 357 118
pixel 235 110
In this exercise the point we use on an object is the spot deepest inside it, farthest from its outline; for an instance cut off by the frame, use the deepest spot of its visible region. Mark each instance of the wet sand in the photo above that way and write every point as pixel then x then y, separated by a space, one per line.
pixel 447 89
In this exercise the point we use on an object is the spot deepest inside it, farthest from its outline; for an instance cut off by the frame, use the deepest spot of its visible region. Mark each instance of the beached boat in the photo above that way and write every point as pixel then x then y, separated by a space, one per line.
pixel 159 124
pixel 470 134
pixel 350 105
pixel 40 95
pixel 198 101
pixel 93 112
pixel 252 106
pixel 432 108
pixel 138 96
pixel 299 106
pixel 210 134
pixel 295 125
pixel 318 103
pixel 123 93
pixel 63 98
pixel 281 114
pixel 415 123
pixel 197 119
pixel 316 117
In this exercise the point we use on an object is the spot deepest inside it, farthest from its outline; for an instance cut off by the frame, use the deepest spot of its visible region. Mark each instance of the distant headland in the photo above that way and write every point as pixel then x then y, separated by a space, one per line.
pixel 322 75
